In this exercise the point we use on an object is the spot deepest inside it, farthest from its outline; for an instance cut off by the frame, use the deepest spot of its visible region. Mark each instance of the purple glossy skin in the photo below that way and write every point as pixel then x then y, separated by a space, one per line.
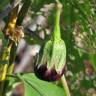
pixel 43 73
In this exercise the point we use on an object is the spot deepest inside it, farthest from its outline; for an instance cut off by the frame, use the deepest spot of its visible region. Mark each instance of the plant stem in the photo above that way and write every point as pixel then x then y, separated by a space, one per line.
pixel 56 33
pixel 4 67
pixel 65 86
pixel 8 30
pixel 12 58
pixel 5 57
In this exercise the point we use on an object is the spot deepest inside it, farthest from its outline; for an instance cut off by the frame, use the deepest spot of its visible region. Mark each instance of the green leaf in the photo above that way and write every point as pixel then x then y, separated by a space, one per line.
pixel 30 90
pixel 36 87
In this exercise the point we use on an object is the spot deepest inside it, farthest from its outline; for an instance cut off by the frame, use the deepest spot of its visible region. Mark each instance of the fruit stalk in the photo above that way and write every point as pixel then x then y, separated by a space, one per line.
pixel 65 86
pixel 56 32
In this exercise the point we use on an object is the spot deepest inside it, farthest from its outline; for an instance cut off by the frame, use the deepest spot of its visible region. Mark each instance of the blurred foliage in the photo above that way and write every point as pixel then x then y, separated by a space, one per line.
pixel 3 4
pixel 78 27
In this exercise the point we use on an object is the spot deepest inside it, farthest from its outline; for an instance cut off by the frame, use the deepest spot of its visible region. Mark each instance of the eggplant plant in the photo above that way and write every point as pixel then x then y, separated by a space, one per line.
pixel 51 62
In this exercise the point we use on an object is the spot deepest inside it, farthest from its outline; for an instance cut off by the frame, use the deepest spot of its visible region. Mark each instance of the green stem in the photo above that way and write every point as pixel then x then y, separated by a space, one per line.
pixel 56 33
pixel 65 86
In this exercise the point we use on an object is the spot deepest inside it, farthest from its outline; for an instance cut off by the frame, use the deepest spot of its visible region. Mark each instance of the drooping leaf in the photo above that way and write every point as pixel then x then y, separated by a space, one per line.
pixel 36 87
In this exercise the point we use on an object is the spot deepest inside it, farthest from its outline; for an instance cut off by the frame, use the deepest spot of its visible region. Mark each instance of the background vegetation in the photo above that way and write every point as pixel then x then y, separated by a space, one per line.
pixel 35 20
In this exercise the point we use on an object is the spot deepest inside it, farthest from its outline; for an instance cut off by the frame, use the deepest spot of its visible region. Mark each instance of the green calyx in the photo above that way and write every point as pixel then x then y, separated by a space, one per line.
pixel 54 52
